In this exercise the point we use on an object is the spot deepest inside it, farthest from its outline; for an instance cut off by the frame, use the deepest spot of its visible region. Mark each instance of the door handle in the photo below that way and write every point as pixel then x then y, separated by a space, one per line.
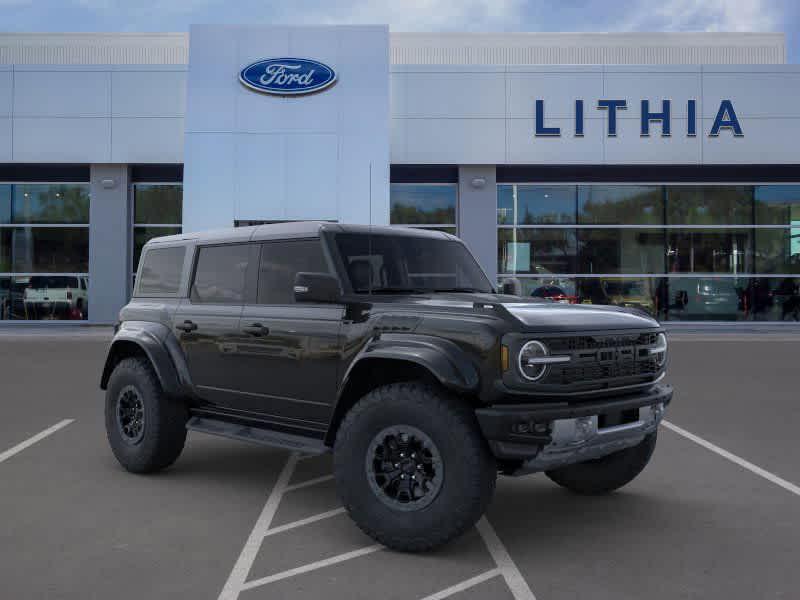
pixel 256 329
pixel 186 326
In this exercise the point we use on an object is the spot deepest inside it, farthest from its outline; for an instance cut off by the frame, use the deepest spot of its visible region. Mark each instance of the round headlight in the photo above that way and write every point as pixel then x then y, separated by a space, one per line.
pixel 529 367
pixel 660 350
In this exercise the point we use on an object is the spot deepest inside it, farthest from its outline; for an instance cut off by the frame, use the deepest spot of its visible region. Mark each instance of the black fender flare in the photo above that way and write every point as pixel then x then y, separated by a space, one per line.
pixel 162 350
pixel 444 359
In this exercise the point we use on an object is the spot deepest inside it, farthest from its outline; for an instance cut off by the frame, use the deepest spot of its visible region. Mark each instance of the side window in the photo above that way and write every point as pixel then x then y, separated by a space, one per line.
pixel 220 274
pixel 160 272
pixel 280 262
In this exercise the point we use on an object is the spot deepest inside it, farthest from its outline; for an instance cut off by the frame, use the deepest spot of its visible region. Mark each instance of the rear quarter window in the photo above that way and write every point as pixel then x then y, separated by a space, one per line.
pixel 160 272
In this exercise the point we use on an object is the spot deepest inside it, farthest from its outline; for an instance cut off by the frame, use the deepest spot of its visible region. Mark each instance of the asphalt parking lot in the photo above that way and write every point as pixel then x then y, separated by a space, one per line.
pixel 715 515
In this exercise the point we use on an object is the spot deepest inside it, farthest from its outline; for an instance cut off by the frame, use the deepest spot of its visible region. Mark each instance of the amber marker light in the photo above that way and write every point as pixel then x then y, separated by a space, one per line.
pixel 504 357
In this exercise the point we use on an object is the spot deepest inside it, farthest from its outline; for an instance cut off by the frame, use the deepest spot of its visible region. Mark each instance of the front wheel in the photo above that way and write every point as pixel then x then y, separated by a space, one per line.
pixel 604 475
pixel 411 466
pixel 145 428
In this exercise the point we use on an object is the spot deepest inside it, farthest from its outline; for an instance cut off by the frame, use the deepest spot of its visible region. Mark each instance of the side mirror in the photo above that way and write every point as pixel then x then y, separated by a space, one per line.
pixel 316 287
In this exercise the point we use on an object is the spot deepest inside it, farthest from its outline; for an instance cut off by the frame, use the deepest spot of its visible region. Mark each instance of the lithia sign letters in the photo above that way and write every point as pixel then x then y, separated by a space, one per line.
pixel 726 118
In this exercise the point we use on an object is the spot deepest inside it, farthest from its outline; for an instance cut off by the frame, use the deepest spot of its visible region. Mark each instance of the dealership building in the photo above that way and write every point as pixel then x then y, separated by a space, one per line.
pixel 660 171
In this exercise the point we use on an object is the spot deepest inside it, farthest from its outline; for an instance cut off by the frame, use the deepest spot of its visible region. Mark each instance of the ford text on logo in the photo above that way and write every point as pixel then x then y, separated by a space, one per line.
pixel 287 76
pixel 725 120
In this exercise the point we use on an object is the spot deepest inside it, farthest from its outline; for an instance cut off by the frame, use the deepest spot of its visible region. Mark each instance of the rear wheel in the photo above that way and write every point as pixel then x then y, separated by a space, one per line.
pixel 606 474
pixel 145 428
pixel 411 466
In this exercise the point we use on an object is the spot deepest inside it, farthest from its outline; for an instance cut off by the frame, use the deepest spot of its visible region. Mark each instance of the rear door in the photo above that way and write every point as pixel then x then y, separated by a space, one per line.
pixel 289 351
pixel 207 323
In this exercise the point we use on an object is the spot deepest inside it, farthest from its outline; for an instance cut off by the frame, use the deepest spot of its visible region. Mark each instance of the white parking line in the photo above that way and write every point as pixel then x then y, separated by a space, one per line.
pixel 312 566
pixel 32 440
pixel 303 484
pixel 788 486
pixel 464 585
pixel 306 521
pixel 237 580
pixel 235 584
pixel 508 569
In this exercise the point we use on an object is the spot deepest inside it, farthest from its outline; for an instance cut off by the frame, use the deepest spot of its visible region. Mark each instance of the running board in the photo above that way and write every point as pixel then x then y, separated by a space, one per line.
pixel 266 437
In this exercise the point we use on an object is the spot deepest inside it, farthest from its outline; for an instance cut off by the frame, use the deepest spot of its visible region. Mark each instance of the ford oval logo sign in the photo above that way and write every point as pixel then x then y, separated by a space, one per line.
pixel 287 76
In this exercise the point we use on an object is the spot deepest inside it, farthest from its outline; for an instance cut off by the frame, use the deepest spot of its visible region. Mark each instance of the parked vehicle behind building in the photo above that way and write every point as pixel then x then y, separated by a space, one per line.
pixel 390 348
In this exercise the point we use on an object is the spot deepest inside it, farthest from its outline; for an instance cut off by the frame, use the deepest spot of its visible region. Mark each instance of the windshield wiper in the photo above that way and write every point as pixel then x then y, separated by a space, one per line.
pixel 466 290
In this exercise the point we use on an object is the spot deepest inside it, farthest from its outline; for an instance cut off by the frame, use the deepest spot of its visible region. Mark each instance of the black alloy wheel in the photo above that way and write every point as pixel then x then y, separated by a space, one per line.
pixel 404 468
pixel 130 415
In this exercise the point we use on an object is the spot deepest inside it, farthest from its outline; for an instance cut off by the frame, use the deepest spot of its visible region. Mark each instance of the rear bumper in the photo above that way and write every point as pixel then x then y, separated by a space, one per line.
pixel 548 435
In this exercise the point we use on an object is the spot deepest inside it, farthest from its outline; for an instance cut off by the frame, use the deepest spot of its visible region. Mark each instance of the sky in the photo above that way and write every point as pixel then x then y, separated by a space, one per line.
pixel 413 15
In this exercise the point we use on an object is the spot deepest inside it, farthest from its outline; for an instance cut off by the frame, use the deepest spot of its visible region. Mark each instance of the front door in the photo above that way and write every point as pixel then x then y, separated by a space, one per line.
pixel 207 324
pixel 289 351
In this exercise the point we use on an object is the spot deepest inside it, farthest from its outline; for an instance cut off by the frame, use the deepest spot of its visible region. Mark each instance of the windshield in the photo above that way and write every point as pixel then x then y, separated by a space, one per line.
pixel 385 263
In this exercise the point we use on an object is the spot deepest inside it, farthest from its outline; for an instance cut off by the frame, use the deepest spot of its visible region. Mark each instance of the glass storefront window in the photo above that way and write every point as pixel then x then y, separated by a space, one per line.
pixel 157 211
pixel 620 251
pixel 778 250
pixel 710 251
pixel 629 292
pixel 423 204
pixel 44 251
pixel 709 205
pixel 778 205
pixel 44 204
pixel 708 299
pixel 620 204
pixel 536 204
pixel 776 299
pixel 44 297
pixel 537 251
pixel 706 252
pixel 158 204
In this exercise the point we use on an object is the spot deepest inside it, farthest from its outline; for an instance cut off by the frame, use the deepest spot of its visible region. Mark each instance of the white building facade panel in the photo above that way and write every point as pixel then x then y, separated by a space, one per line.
pixel 308 128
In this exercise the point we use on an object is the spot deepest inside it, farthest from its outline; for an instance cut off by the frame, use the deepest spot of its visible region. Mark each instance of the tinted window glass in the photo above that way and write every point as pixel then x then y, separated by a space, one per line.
pixel 47 203
pixel 159 204
pixel 280 262
pixel 44 249
pixel 220 274
pixel 777 205
pixel 539 251
pixel 710 251
pixel 142 235
pixel 161 271
pixel 621 204
pixel 535 204
pixel 381 263
pixel 709 205
pixel 423 204
pixel 778 250
pixel 610 251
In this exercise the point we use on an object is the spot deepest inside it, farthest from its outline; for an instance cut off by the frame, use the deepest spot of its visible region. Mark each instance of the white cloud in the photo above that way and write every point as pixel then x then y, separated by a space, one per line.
pixel 705 15
pixel 416 15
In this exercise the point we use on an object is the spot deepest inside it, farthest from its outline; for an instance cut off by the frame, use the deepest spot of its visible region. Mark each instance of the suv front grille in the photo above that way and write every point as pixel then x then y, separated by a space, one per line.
pixel 598 359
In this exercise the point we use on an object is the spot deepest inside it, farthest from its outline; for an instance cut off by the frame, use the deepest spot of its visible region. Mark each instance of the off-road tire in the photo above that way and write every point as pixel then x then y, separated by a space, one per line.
pixel 164 431
pixel 469 469
pixel 604 475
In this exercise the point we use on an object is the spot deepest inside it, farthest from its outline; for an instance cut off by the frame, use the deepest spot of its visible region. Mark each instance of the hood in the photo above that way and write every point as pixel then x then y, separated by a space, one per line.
pixel 532 314
pixel 550 316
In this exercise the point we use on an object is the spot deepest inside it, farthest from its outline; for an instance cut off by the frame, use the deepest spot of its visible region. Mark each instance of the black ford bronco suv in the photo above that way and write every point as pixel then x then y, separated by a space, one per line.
pixel 390 348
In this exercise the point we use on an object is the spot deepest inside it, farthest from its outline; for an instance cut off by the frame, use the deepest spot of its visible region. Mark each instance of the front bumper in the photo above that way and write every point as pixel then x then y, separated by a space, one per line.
pixel 544 436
